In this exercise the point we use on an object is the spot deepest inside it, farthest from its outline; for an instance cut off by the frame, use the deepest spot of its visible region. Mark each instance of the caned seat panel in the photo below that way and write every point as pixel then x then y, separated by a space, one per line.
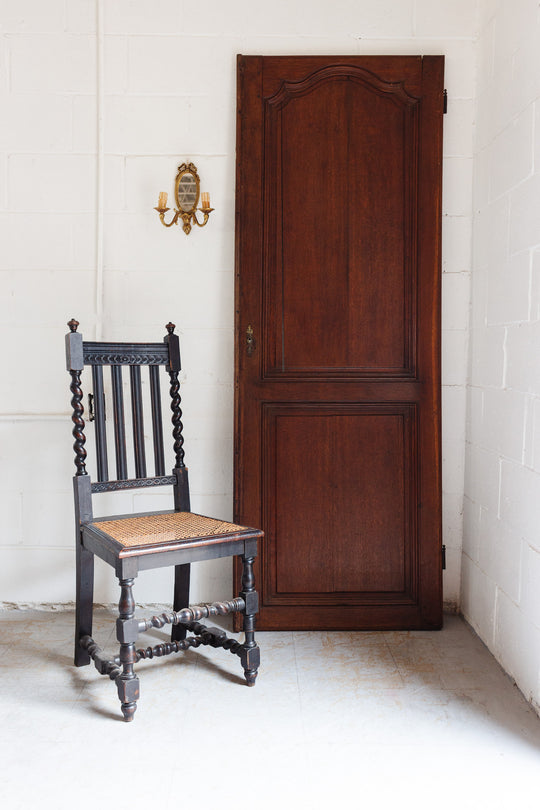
pixel 168 527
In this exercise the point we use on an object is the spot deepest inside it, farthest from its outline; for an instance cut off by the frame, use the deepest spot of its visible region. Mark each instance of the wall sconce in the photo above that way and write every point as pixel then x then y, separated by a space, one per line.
pixel 187 186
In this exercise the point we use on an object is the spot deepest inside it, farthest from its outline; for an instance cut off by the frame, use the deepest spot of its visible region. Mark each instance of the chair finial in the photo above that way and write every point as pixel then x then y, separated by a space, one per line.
pixel 73 324
pixel 170 327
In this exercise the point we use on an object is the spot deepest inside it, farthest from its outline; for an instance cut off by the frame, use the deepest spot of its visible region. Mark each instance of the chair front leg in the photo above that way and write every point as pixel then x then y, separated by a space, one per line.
pixel 127 631
pixel 250 654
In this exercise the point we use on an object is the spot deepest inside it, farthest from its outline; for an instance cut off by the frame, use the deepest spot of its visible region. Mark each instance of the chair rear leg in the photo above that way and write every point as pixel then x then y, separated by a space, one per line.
pixel 182 575
pixel 250 655
pixel 84 596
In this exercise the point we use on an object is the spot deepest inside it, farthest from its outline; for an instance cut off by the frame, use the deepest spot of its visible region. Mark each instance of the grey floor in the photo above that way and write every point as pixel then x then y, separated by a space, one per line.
pixel 336 720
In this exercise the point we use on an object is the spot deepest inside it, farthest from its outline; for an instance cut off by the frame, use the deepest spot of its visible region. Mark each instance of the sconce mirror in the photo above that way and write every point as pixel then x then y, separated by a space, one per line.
pixel 187 188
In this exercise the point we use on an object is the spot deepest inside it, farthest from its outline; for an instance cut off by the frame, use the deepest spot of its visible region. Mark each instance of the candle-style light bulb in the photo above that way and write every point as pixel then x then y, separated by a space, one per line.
pixel 162 200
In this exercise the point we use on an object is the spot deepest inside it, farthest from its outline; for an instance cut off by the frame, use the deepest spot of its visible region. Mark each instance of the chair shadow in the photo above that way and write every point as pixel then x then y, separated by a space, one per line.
pixel 199 660
pixel 79 679
pixel 147 673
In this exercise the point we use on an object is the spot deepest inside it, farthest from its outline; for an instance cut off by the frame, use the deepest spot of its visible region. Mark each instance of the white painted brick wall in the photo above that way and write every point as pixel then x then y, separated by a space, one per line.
pixel 499 553
pixel 501 545
pixel 168 93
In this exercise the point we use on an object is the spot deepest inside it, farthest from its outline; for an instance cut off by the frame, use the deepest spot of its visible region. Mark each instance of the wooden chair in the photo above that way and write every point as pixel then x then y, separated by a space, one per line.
pixel 133 543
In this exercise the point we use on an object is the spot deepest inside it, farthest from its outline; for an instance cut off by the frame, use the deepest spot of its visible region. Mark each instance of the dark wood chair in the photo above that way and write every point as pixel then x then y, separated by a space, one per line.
pixel 133 543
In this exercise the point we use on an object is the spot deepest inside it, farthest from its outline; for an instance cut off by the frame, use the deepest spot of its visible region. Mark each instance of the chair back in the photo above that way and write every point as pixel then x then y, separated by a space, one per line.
pixel 98 355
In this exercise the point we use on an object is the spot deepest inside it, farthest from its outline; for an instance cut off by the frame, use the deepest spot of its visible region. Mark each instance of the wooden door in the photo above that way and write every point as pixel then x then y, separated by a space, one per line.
pixel 338 224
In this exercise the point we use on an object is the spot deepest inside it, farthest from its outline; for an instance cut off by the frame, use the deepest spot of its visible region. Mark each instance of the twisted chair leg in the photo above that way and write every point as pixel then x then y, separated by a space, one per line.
pixel 250 655
pixel 126 633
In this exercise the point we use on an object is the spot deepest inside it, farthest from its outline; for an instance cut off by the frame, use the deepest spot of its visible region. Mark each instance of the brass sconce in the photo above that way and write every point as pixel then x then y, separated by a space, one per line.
pixel 187 187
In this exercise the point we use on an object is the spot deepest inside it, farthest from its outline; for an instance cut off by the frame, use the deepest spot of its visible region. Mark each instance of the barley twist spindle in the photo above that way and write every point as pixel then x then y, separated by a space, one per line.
pixel 177 419
pixel 78 422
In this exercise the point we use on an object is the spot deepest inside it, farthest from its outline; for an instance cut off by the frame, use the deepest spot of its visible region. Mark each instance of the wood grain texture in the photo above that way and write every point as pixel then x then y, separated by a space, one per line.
pixel 329 182
pixel 351 499
pixel 337 412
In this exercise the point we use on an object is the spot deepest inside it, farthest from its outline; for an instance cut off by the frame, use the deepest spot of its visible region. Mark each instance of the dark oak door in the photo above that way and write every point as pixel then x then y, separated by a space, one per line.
pixel 337 451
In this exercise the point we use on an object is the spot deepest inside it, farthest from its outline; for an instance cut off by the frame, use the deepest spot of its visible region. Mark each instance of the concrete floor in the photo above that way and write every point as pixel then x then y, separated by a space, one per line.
pixel 336 720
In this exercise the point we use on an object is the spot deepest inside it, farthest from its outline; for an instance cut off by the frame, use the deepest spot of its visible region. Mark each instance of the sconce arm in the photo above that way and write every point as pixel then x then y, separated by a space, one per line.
pixel 162 212
pixel 205 212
